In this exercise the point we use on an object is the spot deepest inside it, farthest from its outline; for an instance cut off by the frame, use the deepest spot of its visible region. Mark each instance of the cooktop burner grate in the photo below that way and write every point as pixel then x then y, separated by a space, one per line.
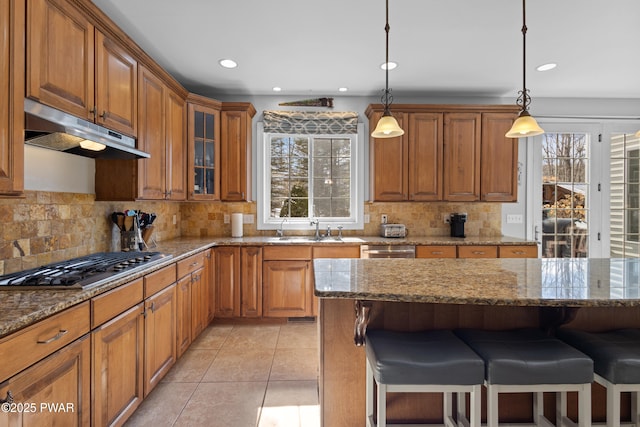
pixel 81 273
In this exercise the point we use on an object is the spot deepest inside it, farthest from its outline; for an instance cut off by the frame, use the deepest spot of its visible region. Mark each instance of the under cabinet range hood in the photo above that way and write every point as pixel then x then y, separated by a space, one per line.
pixel 56 130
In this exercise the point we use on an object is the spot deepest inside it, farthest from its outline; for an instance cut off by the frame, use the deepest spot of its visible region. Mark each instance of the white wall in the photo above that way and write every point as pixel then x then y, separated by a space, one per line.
pixel 50 170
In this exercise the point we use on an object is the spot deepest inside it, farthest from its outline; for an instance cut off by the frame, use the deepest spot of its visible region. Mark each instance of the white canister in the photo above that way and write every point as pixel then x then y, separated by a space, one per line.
pixel 236 225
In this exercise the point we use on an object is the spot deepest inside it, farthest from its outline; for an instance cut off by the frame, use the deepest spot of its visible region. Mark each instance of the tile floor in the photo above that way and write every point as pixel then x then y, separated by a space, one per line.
pixel 240 376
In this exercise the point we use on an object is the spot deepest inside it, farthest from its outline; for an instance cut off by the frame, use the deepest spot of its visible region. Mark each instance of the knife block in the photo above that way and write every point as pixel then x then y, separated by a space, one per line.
pixel 146 236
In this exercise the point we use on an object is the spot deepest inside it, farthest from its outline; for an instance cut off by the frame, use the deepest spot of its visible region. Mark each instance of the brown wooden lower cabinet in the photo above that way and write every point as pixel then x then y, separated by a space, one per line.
pixel 227 281
pixel 159 336
pixel 62 381
pixel 183 321
pixel 524 251
pixel 477 251
pixel 251 282
pixel 287 281
pixel 118 358
pixel 436 251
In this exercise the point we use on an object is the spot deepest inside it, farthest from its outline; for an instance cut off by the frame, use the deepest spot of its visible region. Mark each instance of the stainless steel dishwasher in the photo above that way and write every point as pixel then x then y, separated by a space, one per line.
pixel 387 251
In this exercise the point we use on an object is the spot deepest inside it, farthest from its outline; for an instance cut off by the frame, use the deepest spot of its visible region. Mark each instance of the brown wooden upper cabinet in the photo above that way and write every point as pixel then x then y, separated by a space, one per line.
pixel 11 97
pixel 203 147
pixel 162 133
pixel 235 151
pixel 448 153
pixel 74 67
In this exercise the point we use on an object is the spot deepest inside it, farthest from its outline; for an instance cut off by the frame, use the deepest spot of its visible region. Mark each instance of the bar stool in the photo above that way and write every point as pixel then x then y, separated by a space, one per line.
pixel 529 361
pixel 616 362
pixel 429 361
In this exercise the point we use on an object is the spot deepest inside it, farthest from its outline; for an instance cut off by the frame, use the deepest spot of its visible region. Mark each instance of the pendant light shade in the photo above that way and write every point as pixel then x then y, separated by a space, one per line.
pixel 525 125
pixel 638 134
pixel 387 126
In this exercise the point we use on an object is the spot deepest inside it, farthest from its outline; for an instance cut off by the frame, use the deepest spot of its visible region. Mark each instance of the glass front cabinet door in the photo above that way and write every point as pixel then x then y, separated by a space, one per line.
pixel 204 152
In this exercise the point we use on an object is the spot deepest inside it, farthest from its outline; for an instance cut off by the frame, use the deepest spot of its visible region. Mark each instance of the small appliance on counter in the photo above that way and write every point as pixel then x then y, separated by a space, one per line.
pixel 456 221
pixel 393 230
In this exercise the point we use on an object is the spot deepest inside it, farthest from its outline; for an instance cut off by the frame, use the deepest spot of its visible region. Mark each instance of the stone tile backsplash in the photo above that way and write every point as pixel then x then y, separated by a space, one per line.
pixel 45 227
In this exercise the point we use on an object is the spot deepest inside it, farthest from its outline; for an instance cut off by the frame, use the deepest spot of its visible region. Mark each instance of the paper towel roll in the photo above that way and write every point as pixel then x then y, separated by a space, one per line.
pixel 236 225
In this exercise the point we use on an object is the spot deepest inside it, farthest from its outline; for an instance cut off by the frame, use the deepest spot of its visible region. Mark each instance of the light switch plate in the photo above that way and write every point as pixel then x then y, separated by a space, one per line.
pixel 227 218
pixel 367 218
pixel 247 219
pixel 514 219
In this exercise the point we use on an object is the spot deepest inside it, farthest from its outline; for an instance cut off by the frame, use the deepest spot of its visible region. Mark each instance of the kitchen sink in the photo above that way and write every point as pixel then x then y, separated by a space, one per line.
pixel 312 239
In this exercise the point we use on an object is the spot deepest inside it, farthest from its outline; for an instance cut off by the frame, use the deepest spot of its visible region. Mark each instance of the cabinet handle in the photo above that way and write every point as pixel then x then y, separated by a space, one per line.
pixel 60 334
pixel 518 252
pixel 103 115
pixel 436 252
pixel 153 307
pixel 478 252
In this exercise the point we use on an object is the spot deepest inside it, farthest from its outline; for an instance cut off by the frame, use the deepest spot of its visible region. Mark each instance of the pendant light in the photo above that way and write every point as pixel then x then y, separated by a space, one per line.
pixel 638 134
pixel 525 125
pixel 387 125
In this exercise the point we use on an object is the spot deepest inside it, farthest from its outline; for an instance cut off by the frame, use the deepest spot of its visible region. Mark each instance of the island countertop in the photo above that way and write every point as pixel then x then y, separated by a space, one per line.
pixel 568 282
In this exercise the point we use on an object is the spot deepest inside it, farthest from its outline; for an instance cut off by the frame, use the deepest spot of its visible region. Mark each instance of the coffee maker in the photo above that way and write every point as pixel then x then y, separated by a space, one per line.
pixel 457 220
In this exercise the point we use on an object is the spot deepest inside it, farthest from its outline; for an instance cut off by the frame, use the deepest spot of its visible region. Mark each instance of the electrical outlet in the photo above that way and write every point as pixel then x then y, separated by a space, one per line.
pixel 227 218
pixel 383 219
pixel 446 218
pixel 247 219
pixel 514 219
pixel 367 218
pixel 175 219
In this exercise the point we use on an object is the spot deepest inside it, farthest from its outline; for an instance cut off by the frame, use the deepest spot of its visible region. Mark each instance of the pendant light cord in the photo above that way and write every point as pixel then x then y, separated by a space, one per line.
pixel 524 99
pixel 386 91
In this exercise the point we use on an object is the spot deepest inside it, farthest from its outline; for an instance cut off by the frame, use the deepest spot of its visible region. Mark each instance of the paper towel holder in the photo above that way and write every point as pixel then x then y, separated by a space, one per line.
pixel 236 224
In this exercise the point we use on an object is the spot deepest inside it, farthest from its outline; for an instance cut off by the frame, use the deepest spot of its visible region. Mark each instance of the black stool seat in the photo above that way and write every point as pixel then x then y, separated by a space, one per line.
pixel 615 354
pixel 528 356
pixel 427 357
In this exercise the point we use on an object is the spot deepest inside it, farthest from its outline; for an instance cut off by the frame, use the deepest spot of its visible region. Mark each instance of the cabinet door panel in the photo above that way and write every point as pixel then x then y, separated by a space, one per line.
pixel 462 156
pixel 12 25
pixel 151 136
pixel 478 251
pixel 203 153
pixel 198 297
pixel 287 291
pixel 388 159
pixel 116 86
pixel 251 272
pixel 183 323
pixel 60 49
pixel 64 377
pixel 227 273
pixel 160 337
pixel 425 156
pixel 118 382
pixel 176 147
pixel 499 166
pixel 234 156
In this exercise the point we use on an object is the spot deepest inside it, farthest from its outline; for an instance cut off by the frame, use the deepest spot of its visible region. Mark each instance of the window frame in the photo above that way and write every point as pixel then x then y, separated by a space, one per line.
pixel 263 187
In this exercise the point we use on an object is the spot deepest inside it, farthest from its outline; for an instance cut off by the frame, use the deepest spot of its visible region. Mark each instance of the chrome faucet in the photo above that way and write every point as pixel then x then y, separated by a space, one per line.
pixel 280 231
pixel 328 231
pixel 316 222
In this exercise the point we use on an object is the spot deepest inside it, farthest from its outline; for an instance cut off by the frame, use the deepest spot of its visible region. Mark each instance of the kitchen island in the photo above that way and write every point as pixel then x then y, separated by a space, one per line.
pixel 401 294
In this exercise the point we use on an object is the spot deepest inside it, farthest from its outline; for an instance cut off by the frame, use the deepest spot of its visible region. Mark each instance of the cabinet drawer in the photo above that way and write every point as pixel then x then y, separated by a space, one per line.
pixel 37 341
pixel 108 305
pixel 158 280
pixel 336 251
pixel 435 251
pixel 488 251
pixel 191 264
pixel 524 251
pixel 286 252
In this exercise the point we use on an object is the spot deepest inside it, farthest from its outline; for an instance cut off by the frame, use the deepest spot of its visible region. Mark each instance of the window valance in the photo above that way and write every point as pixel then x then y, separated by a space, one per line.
pixel 310 122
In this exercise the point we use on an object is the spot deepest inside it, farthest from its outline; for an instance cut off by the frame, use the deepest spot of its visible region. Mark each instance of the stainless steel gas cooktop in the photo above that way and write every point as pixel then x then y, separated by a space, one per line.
pixel 83 272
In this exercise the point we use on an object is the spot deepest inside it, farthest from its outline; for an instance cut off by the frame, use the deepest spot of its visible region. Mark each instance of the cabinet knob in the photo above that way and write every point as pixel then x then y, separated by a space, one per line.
pixel 103 115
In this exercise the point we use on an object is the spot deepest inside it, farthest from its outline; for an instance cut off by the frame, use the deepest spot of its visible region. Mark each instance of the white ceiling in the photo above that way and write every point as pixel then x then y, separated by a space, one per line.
pixel 443 47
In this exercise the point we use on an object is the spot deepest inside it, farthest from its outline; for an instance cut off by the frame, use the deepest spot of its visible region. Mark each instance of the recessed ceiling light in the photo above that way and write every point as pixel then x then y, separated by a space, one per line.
pixel 547 67
pixel 228 63
pixel 343 89
pixel 392 65
pixel 277 89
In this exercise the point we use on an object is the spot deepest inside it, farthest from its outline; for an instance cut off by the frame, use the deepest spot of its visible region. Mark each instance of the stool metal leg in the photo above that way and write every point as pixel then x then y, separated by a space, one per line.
pixel 382 405
pixel 635 405
pixel 447 409
pixel 561 407
pixel 369 397
pixel 476 402
pixel 613 406
pixel 538 408
pixel 492 406
pixel 584 406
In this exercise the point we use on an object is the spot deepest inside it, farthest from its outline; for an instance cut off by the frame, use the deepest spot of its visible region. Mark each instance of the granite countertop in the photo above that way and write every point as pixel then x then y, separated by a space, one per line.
pixel 568 282
pixel 20 308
